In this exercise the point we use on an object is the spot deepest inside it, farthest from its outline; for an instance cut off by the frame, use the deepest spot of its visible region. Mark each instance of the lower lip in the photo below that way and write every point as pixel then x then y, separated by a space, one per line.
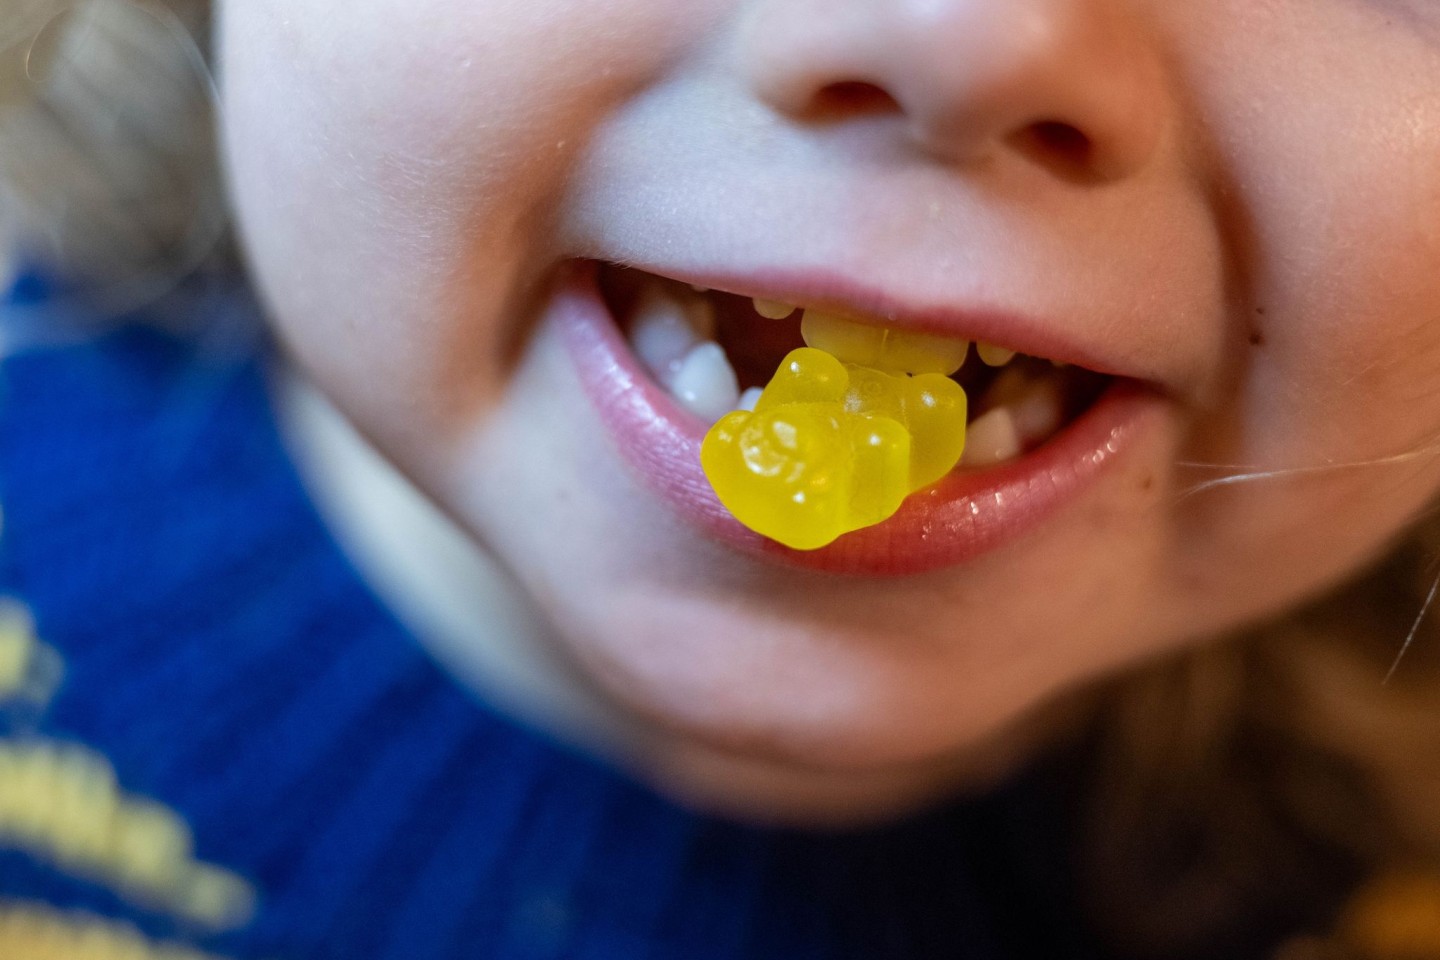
pixel 963 516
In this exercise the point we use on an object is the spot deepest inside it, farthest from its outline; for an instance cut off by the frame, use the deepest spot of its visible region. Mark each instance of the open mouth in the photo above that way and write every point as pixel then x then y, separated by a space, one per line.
pixel 662 361
pixel 712 352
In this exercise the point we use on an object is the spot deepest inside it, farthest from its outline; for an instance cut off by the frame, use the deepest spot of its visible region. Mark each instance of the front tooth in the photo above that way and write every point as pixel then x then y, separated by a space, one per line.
pixel 991 438
pixel 705 382
pixel 749 398
pixel 773 309
pixel 661 334
pixel 994 356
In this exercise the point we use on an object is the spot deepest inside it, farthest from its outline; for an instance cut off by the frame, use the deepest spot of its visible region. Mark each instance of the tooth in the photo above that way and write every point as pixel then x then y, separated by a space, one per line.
pixel 699 289
pixel 990 438
pixel 1034 402
pixel 773 309
pixel 749 398
pixel 1038 412
pixel 661 333
pixel 994 356
pixel 705 382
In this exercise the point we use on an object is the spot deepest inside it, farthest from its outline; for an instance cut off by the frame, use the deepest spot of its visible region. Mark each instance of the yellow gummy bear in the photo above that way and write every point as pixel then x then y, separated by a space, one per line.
pixel 833 447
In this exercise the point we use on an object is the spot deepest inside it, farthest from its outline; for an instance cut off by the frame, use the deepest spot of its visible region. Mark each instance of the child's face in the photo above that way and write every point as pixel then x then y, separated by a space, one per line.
pixel 1235 203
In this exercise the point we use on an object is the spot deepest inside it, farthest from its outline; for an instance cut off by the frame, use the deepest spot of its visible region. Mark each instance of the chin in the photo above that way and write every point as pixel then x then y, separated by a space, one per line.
pixel 757 791
pixel 736 738
pixel 756 788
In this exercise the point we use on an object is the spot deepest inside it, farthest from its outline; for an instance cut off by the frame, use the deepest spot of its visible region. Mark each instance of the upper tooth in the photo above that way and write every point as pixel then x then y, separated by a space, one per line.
pixel 705 382
pixel 662 333
pixel 990 438
pixel 773 309
pixel 994 356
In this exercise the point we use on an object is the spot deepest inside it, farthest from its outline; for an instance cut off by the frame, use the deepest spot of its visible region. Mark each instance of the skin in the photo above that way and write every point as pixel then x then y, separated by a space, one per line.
pixel 1253 230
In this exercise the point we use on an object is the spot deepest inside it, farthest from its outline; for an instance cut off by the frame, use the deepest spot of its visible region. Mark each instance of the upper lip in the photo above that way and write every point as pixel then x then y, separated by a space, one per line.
pixel 851 297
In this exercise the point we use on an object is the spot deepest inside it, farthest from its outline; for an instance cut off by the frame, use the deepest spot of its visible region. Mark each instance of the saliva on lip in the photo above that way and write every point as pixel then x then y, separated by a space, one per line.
pixel 847 428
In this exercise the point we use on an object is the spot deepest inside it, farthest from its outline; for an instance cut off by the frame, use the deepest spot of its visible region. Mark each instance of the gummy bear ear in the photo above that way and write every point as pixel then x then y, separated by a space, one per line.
pixel 806 375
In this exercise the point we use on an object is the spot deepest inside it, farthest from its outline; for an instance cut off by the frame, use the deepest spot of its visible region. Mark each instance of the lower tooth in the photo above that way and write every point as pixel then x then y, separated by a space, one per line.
pixel 661 334
pixel 749 398
pixel 1034 403
pixel 1038 413
pixel 991 438
pixel 705 383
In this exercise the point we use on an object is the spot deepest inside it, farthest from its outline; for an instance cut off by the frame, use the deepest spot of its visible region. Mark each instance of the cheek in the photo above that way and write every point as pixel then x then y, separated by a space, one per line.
pixel 1333 209
pixel 1336 398
pixel 1344 345
pixel 394 173
pixel 1330 202
pixel 1348 367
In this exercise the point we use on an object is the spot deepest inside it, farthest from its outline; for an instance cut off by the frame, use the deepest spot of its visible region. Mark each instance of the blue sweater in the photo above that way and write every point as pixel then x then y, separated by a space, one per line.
pixel 246 755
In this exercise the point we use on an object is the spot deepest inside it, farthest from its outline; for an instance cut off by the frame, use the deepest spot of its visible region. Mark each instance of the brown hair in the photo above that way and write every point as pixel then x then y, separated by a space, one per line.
pixel 109 169
pixel 1283 771
pixel 1271 772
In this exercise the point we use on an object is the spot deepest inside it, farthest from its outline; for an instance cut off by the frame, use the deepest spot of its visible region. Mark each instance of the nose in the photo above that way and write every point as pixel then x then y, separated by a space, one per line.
pixel 1073 85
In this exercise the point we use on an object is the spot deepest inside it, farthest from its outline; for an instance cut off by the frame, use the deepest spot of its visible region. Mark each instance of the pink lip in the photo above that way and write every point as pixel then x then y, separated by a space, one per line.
pixel 963 516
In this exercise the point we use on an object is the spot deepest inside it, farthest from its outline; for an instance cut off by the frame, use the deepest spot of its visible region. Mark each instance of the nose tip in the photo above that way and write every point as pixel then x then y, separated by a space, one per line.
pixel 1073 85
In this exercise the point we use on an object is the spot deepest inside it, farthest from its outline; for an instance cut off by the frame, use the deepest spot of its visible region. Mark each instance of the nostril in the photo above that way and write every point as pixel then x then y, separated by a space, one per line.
pixel 1055 144
pixel 852 98
pixel 1061 138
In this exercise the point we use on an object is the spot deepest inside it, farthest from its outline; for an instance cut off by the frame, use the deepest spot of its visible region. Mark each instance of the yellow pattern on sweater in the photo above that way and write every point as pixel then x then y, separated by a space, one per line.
pixel 38 933
pixel 30 671
pixel 61 802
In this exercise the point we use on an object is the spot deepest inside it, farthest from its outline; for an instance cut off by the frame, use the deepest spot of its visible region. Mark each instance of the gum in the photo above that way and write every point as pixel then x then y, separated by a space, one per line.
pixel 833 447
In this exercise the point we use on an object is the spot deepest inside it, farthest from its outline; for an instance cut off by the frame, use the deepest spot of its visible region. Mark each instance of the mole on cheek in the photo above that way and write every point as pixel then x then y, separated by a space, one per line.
pixel 1257 339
